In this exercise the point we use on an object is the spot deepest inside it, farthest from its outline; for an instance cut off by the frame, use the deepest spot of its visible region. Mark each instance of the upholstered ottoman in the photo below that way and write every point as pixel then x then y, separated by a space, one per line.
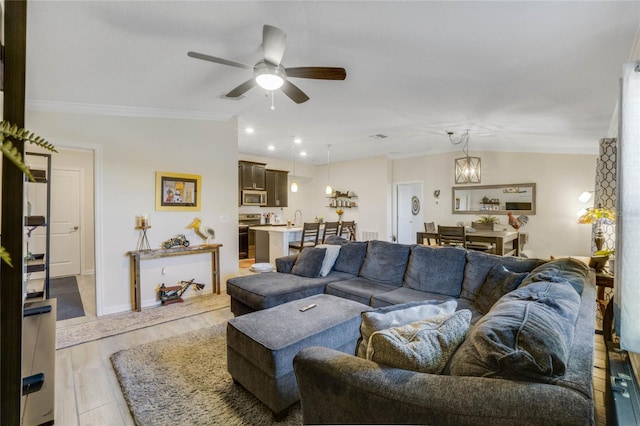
pixel 261 345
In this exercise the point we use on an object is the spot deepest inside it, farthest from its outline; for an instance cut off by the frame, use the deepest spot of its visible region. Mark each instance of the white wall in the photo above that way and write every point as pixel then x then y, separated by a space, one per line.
pixel 553 230
pixel 560 178
pixel 129 150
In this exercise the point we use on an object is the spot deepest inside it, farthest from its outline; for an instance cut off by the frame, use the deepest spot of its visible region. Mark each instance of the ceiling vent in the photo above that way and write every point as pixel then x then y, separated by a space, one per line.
pixel 378 136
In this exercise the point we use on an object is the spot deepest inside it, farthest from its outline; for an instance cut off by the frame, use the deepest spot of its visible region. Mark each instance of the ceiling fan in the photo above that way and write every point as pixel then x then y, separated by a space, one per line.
pixel 270 74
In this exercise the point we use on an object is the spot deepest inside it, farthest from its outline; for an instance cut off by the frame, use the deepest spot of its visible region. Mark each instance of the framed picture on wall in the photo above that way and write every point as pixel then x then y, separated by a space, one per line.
pixel 178 191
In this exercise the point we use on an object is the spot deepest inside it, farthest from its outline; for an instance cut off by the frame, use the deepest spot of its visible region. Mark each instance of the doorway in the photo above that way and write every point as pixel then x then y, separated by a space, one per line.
pixel 409 211
pixel 72 222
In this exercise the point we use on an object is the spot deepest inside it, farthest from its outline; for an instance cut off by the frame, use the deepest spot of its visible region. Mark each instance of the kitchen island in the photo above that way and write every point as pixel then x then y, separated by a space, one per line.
pixel 273 241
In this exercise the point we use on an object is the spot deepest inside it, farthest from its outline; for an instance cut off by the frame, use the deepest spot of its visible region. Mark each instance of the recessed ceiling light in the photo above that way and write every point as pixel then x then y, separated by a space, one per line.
pixel 271 148
pixel 303 154
pixel 297 140
pixel 249 130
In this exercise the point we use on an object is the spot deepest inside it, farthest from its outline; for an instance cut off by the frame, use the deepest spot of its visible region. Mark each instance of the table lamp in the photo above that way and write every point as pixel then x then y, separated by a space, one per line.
pixel 598 215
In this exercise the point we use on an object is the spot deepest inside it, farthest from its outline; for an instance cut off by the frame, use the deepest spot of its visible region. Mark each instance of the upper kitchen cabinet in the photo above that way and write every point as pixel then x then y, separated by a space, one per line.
pixel 253 175
pixel 277 188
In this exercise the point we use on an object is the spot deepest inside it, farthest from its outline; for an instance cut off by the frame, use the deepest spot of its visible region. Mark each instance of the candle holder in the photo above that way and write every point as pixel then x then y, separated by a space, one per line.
pixel 142 224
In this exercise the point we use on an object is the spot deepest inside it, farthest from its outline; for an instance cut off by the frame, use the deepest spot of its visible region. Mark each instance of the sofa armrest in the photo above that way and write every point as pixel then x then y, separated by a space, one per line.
pixel 336 388
pixel 285 264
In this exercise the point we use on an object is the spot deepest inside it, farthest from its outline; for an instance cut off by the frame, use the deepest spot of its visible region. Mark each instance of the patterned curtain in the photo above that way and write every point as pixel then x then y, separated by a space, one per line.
pixel 605 189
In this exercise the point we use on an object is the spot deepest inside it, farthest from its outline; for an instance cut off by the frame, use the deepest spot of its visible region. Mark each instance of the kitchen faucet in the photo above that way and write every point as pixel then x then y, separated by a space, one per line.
pixel 295 215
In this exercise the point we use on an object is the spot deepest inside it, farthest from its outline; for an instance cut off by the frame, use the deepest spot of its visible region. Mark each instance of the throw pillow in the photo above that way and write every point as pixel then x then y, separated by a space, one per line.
pixel 527 335
pixel 398 315
pixel 499 282
pixel 479 264
pixel 424 346
pixel 309 262
pixel 329 258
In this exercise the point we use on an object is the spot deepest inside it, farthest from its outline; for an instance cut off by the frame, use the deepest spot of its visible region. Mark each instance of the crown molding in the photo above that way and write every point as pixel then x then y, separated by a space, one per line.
pixel 122 111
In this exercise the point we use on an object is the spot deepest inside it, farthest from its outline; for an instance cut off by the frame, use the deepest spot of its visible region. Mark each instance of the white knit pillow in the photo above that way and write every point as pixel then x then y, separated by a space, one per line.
pixel 424 346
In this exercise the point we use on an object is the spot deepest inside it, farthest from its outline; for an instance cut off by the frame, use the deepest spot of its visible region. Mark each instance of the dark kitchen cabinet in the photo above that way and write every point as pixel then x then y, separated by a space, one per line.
pixel 253 175
pixel 277 188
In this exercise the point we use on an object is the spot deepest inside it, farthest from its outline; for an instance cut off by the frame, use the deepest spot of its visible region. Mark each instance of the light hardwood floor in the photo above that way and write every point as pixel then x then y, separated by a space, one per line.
pixel 88 393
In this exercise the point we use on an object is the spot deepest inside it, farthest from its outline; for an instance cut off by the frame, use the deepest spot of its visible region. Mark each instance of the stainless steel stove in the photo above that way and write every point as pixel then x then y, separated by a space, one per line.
pixel 246 237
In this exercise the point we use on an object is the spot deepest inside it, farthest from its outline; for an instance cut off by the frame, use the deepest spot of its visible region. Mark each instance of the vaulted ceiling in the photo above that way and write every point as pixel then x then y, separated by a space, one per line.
pixel 524 76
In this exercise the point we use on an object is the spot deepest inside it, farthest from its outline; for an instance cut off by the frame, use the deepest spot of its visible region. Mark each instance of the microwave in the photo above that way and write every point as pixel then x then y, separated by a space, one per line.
pixel 254 198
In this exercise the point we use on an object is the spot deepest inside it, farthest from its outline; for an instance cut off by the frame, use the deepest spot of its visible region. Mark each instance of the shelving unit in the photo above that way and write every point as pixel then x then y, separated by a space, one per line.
pixel 38 209
pixel 342 200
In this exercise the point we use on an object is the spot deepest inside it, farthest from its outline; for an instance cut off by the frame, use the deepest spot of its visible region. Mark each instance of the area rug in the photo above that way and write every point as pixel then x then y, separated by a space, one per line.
pixel 122 323
pixel 65 289
pixel 183 380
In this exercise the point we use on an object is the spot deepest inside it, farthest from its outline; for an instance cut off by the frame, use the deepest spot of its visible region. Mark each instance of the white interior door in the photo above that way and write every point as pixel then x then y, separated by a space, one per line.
pixel 65 223
pixel 409 212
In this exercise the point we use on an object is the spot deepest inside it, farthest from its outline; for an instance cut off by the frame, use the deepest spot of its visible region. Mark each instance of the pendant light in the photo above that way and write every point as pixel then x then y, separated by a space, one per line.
pixel 467 168
pixel 328 190
pixel 294 185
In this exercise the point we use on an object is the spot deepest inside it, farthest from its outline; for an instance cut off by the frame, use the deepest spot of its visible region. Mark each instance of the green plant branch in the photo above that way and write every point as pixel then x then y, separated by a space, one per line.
pixel 13 154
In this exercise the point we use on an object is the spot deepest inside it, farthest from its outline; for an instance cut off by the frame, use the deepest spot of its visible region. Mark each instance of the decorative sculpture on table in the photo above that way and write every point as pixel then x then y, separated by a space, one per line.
pixel 517 222
pixel 178 240
pixel 204 232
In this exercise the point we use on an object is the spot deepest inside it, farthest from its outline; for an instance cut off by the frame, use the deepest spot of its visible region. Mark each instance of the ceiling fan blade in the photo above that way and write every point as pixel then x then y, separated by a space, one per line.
pixel 217 60
pixel 242 89
pixel 321 73
pixel 274 41
pixel 292 91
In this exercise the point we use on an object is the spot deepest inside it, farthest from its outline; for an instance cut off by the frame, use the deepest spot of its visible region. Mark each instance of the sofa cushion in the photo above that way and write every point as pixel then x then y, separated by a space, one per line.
pixel 358 289
pixel 499 282
pixel 405 295
pixel 329 258
pixel 479 264
pixel 385 262
pixel 309 262
pixel 568 269
pixel 527 335
pixel 436 269
pixel 263 291
pixel 424 346
pixel 398 315
pixel 351 257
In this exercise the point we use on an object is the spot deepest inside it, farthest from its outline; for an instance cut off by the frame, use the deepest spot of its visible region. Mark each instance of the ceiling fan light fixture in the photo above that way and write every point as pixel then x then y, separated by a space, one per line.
pixel 269 77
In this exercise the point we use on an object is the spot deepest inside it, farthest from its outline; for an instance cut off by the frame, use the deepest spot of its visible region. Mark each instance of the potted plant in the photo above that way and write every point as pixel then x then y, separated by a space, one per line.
pixel 489 219
pixel 12 153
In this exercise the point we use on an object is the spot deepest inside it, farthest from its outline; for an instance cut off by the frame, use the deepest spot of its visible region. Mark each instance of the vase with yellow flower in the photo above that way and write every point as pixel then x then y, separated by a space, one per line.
pixel 339 212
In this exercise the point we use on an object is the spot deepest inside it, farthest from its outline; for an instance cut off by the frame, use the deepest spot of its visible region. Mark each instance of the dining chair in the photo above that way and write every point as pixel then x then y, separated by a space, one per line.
pixel 430 227
pixel 452 236
pixel 348 228
pixel 309 237
pixel 330 228
pixel 479 245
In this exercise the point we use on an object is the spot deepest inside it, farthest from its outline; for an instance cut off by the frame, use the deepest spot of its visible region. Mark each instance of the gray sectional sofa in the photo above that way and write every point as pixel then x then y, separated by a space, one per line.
pixel 526 357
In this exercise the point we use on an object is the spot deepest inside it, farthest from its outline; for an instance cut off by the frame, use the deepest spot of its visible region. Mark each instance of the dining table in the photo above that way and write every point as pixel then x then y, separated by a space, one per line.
pixel 507 242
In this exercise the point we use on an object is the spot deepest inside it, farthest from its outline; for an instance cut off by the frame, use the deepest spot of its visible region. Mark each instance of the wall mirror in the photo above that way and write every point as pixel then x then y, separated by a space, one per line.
pixel 518 198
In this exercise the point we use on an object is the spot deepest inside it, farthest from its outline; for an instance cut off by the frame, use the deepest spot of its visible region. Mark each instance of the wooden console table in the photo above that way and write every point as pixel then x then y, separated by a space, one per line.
pixel 138 255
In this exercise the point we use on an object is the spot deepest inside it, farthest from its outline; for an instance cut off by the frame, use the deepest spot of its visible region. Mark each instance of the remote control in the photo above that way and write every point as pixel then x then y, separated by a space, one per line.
pixel 306 308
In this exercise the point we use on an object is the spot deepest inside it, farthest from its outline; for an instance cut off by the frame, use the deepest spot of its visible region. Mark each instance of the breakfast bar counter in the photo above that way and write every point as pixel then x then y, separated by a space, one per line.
pixel 273 241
